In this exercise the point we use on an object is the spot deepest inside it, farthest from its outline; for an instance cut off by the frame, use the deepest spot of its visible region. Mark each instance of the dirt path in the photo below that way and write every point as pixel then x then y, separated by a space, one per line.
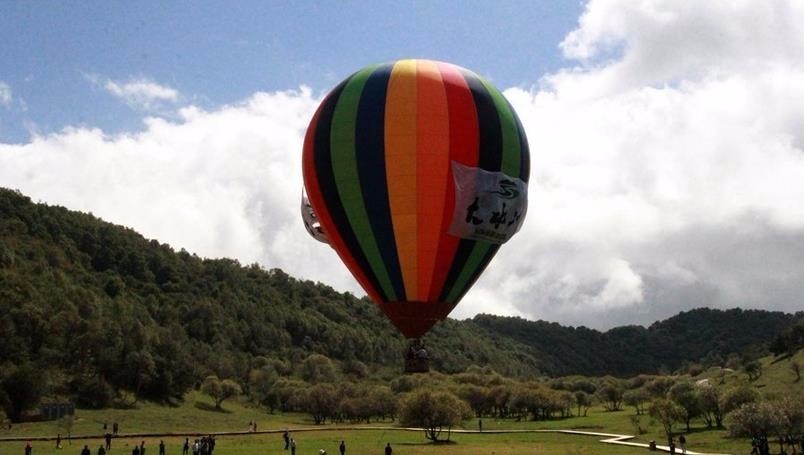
pixel 608 438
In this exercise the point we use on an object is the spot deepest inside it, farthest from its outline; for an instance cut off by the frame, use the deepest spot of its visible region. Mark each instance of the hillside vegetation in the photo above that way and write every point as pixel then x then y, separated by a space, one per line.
pixel 92 309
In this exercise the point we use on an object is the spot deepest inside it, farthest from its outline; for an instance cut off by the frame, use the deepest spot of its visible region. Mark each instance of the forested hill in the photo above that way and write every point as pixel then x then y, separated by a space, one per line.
pixel 95 305
pixel 702 335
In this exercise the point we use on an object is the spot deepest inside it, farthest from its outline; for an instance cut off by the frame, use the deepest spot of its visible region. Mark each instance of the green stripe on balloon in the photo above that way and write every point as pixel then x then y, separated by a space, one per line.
pixel 482 252
pixel 344 166
pixel 511 147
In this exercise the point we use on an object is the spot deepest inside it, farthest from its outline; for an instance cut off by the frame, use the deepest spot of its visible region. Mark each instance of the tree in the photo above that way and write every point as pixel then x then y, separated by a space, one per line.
pixel 753 419
pixel 433 411
pixel 318 368
pixel 220 390
pixel 659 386
pixel 685 395
pixel 260 383
pixel 321 401
pixel 737 396
pixel 583 400
pixel 753 369
pixel 383 402
pixel 611 394
pixel 475 396
pixel 499 397
pixel 710 398
pixel 636 398
pixel 667 413
pixel 23 388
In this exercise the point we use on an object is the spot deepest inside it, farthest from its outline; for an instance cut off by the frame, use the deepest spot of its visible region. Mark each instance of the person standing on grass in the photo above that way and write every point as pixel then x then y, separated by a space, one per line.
pixel 185 449
pixel 85 450
pixel 101 450
pixel 342 448
pixel 28 448
pixel 292 446
pixel 114 428
pixel 58 441
pixel 286 437
pixel 161 447
pixel 108 437
pixel 388 449
pixel 682 441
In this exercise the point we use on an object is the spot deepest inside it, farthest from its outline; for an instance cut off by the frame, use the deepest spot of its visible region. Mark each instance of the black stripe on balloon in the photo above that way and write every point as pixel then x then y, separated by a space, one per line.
pixel 489 159
pixel 479 271
pixel 524 149
pixel 370 153
pixel 329 190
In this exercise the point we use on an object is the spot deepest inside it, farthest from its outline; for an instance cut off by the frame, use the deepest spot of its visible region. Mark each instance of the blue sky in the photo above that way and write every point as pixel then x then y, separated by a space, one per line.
pixel 666 136
pixel 216 53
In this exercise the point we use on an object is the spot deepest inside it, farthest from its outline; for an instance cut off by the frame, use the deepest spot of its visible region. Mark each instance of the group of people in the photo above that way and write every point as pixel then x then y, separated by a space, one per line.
pixel 760 446
pixel 290 444
pixel 203 446
pixel 682 442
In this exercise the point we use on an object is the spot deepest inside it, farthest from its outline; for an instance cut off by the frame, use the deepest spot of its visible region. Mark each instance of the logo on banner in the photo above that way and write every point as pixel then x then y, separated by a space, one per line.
pixel 489 206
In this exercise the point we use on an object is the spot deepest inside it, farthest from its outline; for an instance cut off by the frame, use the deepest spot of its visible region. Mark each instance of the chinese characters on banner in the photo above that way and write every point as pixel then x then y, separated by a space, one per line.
pixel 489 206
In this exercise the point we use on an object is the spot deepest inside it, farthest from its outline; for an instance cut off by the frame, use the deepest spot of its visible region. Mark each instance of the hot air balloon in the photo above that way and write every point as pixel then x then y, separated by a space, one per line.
pixel 416 172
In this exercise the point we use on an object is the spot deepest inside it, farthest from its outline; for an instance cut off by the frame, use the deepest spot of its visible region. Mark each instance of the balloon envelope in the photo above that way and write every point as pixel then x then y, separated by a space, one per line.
pixel 416 171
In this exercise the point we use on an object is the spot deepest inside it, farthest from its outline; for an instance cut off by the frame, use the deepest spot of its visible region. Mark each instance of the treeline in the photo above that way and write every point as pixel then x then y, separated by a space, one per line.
pixel 715 398
pixel 789 340
pixel 702 335
pixel 93 311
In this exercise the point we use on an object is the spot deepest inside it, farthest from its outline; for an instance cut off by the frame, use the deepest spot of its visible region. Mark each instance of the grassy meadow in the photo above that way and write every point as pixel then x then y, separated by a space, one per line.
pixel 197 416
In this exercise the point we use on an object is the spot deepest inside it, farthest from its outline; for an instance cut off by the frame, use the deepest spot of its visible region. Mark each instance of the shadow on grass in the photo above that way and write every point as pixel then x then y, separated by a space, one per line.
pixel 427 443
pixel 208 407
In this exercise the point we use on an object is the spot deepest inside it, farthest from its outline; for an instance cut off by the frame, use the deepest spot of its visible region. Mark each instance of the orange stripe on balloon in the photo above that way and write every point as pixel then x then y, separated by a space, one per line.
pixel 432 169
pixel 464 143
pixel 319 206
pixel 400 166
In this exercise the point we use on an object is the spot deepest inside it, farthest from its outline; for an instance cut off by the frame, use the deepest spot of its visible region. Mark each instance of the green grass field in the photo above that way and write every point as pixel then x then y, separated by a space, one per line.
pixel 196 415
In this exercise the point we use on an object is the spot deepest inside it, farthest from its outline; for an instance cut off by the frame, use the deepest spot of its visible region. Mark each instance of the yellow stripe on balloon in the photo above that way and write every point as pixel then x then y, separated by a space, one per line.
pixel 400 167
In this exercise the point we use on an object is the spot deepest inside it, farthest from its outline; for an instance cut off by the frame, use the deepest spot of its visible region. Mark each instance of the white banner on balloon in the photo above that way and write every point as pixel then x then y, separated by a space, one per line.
pixel 489 206
pixel 310 219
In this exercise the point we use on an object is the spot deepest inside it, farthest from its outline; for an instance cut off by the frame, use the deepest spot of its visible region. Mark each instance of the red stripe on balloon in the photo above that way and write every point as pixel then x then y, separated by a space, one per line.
pixel 464 143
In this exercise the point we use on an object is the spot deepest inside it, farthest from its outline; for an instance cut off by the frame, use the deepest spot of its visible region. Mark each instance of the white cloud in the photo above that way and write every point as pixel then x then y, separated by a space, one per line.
pixel 220 183
pixel 694 130
pixel 668 171
pixel 142 93
pixel 5 94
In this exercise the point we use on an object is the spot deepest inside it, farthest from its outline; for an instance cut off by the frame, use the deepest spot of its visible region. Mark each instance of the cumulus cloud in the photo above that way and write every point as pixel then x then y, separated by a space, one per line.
pixel 668 171
pixel 5 94
pixel 138 93
pixel 217 183
pixel 668 166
